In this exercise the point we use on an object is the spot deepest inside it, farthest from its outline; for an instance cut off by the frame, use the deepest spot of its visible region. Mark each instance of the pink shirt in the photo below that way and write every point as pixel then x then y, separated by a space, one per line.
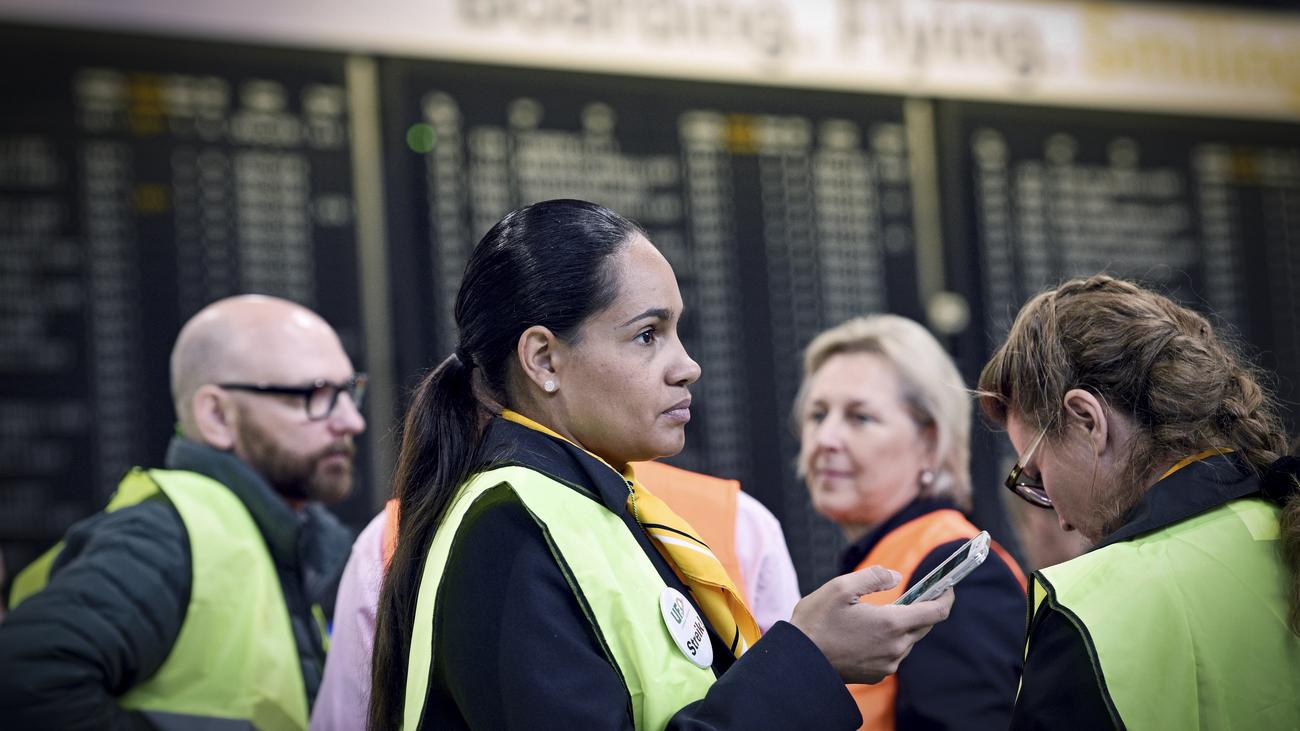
pixel 771 588
pixel 344 695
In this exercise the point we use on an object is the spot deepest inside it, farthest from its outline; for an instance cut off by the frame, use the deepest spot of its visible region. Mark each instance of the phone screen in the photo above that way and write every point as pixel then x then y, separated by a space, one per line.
pixel 960 559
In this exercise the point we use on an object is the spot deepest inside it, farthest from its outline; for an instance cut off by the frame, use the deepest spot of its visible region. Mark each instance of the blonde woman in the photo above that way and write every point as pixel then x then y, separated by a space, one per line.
pixel 884 421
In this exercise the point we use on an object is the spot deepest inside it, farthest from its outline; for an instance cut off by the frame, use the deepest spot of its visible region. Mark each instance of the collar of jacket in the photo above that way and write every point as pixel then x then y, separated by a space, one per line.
pixel 1199 487
pixel 506 442
pixel 853 554
pixel 280 525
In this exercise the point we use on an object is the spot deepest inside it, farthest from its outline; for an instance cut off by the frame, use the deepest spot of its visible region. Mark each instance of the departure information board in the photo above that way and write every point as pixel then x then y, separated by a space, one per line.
pixel 1205 211
pixel 141 179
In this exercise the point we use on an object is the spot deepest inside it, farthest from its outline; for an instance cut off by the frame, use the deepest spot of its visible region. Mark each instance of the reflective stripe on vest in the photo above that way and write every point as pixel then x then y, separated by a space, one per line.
pixel 707 503
pixel 903 549
pixel 235 660
pixel 610 574
pixel 1187 626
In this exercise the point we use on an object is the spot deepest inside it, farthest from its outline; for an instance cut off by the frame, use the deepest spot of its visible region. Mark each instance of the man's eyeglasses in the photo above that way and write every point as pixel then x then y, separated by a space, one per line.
pixel 1029 488
pixel 319 398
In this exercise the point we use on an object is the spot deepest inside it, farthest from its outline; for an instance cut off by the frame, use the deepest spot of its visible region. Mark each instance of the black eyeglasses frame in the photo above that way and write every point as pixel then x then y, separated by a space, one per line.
pixel 1029 489
pixel 355 387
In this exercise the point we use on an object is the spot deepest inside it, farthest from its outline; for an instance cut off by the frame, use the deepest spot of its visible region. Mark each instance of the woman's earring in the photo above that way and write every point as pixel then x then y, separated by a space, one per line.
pixel 549 386
pixel 926 478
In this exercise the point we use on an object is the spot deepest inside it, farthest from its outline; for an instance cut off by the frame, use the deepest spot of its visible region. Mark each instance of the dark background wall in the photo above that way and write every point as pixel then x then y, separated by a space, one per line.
pixel 142 177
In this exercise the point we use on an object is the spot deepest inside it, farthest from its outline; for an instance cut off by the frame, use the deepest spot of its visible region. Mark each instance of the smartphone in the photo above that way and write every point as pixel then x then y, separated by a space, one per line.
pixel 953 569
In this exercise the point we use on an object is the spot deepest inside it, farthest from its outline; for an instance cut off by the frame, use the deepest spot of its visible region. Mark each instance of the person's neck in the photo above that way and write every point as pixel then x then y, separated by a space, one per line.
pixel 854 531
pixel 540 426
pixel 1116 510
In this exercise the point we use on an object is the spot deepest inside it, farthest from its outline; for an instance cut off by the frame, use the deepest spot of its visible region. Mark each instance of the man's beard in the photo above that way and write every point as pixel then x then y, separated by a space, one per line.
pixel 298 477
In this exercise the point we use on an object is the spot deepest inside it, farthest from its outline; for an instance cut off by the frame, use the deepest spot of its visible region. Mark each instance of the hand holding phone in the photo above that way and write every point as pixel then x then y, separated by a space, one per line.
pixel 954 568
pixel 864 642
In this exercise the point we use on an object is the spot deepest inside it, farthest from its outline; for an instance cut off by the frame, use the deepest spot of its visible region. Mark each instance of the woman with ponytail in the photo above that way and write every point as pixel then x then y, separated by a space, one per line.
pixel 1146 432
pixel 536 583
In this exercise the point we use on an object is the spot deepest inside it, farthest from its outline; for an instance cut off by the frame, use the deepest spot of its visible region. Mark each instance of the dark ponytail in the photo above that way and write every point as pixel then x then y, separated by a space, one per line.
pixel 545 264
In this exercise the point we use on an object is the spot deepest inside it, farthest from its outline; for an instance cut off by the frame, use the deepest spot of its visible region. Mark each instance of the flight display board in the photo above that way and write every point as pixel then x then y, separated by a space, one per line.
pixel 1206 211
pixel 141 179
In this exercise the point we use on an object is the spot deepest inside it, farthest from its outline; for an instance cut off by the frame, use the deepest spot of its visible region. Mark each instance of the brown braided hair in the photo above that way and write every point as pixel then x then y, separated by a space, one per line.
pixel 1185 387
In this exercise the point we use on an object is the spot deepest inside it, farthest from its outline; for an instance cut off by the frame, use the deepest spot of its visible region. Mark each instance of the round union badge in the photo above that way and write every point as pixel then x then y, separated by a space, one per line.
pixel 686 627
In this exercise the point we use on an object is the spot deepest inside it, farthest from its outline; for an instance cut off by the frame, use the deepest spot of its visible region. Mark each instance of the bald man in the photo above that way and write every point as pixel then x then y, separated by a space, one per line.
pixel 191 601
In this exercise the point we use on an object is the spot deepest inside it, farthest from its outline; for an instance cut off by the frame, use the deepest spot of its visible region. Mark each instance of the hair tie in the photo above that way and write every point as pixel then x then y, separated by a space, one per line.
pixel 1280 480
pixel 464 357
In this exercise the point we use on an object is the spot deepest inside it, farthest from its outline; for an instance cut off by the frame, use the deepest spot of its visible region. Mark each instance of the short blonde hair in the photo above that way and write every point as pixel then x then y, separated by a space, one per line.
pixel 932 389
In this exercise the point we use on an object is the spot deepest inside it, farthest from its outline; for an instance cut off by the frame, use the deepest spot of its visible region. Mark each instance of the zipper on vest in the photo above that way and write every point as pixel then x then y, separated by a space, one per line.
pixel 631 496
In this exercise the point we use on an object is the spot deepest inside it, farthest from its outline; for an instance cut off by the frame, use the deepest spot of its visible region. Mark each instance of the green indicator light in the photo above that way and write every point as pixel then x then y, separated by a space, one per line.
pixel 421 137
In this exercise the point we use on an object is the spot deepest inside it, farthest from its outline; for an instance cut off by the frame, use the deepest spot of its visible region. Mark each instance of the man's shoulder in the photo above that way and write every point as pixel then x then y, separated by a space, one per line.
pixel 154 512
pixel 135 556
pixel 152 524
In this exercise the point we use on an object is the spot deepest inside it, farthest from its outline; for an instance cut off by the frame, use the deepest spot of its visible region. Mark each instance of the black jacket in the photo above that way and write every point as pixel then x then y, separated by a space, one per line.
pixel 1061 689
pixel 963 674
pixel 118 594
pixel 513 649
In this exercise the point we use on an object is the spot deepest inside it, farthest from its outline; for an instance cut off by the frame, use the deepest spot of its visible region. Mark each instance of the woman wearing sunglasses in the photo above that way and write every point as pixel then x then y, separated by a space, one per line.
pixel 1146 432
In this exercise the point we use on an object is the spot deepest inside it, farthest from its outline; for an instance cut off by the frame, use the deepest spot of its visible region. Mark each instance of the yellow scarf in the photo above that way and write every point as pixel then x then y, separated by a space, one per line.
pixel 1205 454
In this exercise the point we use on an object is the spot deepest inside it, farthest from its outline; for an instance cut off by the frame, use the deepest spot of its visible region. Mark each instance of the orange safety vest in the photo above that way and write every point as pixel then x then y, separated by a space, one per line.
pixel 707 503
pixel 392 514
pixel 902 550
